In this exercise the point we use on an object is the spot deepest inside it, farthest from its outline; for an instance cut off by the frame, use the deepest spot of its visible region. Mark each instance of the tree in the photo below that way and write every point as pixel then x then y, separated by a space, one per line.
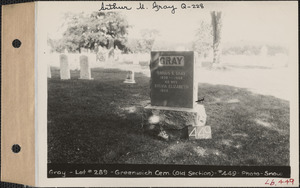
pixel 203 43
pixel 148 38
pixel 144 44
pixel 89 31
pixel 216 20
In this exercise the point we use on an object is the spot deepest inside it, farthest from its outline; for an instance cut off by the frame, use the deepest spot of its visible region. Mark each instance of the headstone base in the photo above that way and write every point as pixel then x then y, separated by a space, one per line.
pixel 129 81
pixel 174 121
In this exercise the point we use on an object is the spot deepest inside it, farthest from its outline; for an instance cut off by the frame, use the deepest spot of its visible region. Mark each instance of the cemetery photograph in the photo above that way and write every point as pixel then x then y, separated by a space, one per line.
pixel 157 83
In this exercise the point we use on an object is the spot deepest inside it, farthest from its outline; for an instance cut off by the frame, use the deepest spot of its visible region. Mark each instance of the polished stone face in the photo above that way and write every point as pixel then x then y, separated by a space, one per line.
pixel 172 79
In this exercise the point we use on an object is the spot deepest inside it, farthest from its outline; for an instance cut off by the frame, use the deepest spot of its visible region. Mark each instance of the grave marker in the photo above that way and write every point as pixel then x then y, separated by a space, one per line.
pixel 85 71
pixel 64 67
pixel 101 55
pixel 130 77
pixel 173 94
pixel 173 80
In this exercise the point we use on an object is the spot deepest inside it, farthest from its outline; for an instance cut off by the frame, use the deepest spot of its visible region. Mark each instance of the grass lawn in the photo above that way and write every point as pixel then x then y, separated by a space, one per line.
pixel 99 121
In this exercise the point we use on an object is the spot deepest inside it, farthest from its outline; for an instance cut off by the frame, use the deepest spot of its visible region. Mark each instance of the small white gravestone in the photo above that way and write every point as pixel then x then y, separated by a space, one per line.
pixel 48 71
pixel 64 67
pixel 130 77
pixel 101 55
pixel 85 71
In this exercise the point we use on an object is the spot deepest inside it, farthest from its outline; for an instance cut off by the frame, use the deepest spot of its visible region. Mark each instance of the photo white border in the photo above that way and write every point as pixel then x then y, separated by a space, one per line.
pixel 41 117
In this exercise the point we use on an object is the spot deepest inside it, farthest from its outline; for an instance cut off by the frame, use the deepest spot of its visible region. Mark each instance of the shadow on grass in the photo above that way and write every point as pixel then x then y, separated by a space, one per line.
pixel 99 121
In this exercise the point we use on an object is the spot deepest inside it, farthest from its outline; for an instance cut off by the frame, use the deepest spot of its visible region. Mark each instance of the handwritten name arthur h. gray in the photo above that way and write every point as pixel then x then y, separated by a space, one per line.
pixel 155 6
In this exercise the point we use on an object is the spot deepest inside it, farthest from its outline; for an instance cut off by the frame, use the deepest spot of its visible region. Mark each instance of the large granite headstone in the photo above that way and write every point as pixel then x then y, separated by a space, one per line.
pixel 64 67
pixel 173 94
pixel 85 71
pixel 173 79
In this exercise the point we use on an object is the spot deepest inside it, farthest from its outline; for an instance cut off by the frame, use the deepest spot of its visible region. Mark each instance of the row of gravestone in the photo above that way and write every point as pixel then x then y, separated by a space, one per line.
pixel 85 70
pixel 173 93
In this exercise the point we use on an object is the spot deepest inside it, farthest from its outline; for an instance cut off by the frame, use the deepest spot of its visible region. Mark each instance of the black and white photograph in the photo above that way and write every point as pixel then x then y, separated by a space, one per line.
pixel 186 84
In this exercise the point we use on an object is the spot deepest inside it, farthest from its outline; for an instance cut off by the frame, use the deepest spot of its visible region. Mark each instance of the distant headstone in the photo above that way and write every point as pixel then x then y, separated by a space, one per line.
pixel 173 79
pixel 85 71
pixel 101 55
pixel 64 67
pixel 48 71
pixel 130 77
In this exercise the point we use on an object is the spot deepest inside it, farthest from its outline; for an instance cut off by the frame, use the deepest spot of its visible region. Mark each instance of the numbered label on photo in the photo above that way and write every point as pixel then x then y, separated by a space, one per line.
pixel 199 132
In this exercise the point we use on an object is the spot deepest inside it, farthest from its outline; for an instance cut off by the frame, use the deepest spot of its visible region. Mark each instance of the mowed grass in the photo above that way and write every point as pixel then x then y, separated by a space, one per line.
pixel 99 121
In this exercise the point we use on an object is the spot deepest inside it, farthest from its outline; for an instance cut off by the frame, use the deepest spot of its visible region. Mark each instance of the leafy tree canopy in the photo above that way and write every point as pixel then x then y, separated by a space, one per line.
pixel 107 29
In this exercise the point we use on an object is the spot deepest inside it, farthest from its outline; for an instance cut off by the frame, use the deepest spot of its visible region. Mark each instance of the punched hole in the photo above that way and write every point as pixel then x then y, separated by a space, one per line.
pixel 16 43
pixel 16 148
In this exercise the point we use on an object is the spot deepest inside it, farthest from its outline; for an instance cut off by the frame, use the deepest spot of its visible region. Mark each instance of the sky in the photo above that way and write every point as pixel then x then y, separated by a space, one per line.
pixel 264 22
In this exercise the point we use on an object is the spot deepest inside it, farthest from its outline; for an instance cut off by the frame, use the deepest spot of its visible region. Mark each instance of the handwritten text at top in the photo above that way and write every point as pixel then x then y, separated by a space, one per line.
pixel 155 6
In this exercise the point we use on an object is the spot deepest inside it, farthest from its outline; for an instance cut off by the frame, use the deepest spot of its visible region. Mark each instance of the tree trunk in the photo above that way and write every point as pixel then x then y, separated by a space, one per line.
pixel 110 48
pixel 216 18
